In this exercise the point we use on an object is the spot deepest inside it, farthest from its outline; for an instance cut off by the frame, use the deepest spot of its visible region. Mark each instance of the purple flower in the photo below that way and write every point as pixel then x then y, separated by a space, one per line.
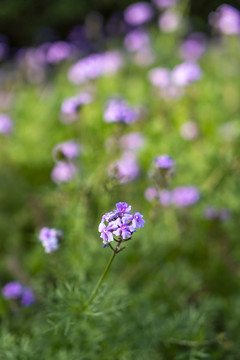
pixel 50 239
pixel 12 290
pixel 117 110
pixel 71 106
pixel 131 141
pixel 68 149
pixel 185 196
pixel 63 172
pixel 15 290
pixel 59 51
pixel 138 13
pixel 160 77
pixel 194 47
pixel 136 40
pixel 226 19
pixel 186 73
pixel 151 194
pixel 6 125
pixel 169 21
pixel 93 66
pixel 121 223
pixel 164 162
pixel 27 297
pixel 125 169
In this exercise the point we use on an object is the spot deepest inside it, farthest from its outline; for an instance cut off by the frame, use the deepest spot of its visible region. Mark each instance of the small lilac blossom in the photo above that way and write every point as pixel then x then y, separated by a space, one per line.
pixel 136 40
pixel 185 196
pixel 12 290
pixel 160 77
pixel 71 106
pixel 132 141
pixel 125 169
pixel 164 162
pixel 226 19
pixel 6 125
pixel 121 224
pixel 193 47
pixel 169 21
pixel 28 297
pixel 186 73
pixel 117 110
pixel 50 239
pixel 138 13
pixel 163 4
pixel 151 194
pixel 68 149
pixel 59 51
pixel 63 172
pixel 189 130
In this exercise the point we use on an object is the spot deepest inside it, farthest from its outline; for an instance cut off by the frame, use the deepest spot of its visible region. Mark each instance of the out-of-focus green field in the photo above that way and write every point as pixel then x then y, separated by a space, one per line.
pixel 174 292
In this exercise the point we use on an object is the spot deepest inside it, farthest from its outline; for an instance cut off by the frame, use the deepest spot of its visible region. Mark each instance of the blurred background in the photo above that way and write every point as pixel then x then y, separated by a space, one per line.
pixel 27 22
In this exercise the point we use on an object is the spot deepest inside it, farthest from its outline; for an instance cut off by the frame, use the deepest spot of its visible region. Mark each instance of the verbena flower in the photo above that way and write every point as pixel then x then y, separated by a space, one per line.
pixel 164 162
pixel 117 110
pixel 169 21
pixel 226 19
pixel 15 290
pixel 67 150
pixel 125 169
pixel 119 224
pixel 136 40
pixel 6 125
pixel 193 47
pixel 50 239
pixel 185 196
pixel 138 13
pixel 59 51
pixel 186 73
pixel 63 172
pixel 71 106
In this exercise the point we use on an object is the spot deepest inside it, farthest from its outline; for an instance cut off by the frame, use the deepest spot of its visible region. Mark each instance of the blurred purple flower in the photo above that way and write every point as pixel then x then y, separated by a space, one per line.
pixel 71 106
pixel 131 141
pixel 151 194
pixel 138 13
pixel 27 298
pixel 93 66
pixel 50 239
pixel 117 110
pixel 185 196
pixel 125 169
pixel 136 40
pixel 160 77
pixel 12 290
pixel 6 125
pixel 164 162
pixel 226 19
pixel 68 149
pixel 186 73
pixel 169 21
pixel 193 47
pixel 189 130
pixel 59 51
pixel 63 172
pixel 15 290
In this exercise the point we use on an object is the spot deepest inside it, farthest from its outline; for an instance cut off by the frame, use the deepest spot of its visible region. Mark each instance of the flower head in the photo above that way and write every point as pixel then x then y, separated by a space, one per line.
pixel 63 172
pixel 185 196
pixel 6 124
pixel 164 162
pixel 15 290
pixel 67 150
pixel 50 239
pixel 121 224
pixel 117 110
pixel 138 13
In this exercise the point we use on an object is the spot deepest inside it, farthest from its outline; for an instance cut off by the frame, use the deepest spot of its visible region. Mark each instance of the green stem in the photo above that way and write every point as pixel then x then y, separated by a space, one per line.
pixel 100 281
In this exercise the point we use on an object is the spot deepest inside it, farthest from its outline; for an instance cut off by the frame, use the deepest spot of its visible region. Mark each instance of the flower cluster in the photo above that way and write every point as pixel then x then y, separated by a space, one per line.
pixel 71 106
pixel 117 110
pixel 50 239
pixel 15 290
pixel 121 224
